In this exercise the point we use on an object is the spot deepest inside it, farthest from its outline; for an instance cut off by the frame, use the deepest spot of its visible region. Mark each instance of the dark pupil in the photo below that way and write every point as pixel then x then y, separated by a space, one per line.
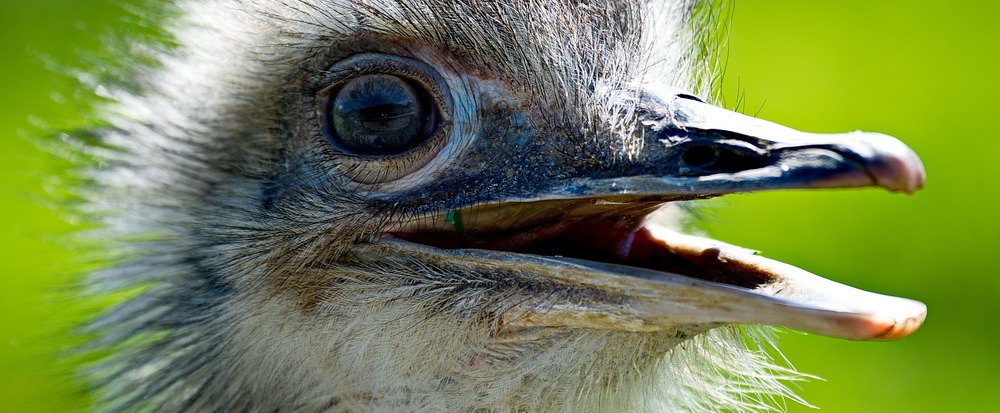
pixel 379 115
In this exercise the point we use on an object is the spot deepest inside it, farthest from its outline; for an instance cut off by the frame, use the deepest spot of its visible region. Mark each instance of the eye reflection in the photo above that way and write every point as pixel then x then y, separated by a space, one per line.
pixel 380 115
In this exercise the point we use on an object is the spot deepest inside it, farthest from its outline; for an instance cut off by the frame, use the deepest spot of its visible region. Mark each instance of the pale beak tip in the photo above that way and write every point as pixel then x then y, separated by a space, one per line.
pixel 897 329
pixel 894 327
pixel 897 167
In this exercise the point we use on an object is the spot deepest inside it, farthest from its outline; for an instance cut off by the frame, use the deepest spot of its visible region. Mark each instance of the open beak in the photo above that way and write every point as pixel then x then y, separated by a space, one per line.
pixel 591 232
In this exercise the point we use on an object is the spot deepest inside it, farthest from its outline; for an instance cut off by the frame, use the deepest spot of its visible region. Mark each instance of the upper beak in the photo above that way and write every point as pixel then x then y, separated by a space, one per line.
pixel 692 148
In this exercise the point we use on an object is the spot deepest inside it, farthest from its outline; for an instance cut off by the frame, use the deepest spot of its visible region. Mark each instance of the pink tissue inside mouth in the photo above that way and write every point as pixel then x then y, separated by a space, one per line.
pixel 618 240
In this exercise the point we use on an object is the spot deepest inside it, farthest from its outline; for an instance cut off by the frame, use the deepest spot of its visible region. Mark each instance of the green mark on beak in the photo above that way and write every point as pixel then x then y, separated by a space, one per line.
pixel 455 217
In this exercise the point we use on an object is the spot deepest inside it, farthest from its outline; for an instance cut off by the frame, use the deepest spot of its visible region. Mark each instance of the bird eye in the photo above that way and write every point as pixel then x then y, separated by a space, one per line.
pixel 379 115
pixel 385 117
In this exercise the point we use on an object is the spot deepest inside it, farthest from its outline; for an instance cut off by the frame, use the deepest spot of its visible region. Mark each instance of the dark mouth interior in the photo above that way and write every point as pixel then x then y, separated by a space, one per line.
pixel 607 237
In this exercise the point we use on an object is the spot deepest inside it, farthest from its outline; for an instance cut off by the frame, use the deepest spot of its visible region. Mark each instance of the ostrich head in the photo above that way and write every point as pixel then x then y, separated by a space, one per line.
pixel 422 205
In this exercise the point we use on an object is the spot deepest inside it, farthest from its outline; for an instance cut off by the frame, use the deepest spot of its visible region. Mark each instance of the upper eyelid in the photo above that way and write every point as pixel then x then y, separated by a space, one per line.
pixel 360 64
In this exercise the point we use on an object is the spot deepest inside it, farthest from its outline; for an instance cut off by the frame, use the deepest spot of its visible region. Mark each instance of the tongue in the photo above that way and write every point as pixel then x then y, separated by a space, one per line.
pixel 806 301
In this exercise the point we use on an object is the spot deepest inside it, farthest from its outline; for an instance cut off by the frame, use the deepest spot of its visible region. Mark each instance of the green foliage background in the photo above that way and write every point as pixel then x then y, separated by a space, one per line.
pixel 924 71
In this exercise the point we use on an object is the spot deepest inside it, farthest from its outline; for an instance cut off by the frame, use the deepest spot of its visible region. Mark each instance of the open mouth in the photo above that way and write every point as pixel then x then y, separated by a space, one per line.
pixel 606 230
pixel 620 240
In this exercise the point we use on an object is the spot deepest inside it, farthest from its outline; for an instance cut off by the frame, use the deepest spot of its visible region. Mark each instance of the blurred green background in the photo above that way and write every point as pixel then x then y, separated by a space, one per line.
pixel 924 71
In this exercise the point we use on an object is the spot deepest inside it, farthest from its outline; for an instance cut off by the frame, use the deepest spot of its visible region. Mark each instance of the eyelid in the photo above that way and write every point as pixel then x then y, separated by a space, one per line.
pixel 374 63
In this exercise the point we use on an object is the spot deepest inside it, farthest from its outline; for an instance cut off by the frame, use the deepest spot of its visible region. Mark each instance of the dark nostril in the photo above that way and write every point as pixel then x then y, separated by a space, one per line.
pixel 723 156
pixel 699 156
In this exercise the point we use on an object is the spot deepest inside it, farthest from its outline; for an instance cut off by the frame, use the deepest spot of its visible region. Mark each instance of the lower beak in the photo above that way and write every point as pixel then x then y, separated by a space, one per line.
pixel 786 296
